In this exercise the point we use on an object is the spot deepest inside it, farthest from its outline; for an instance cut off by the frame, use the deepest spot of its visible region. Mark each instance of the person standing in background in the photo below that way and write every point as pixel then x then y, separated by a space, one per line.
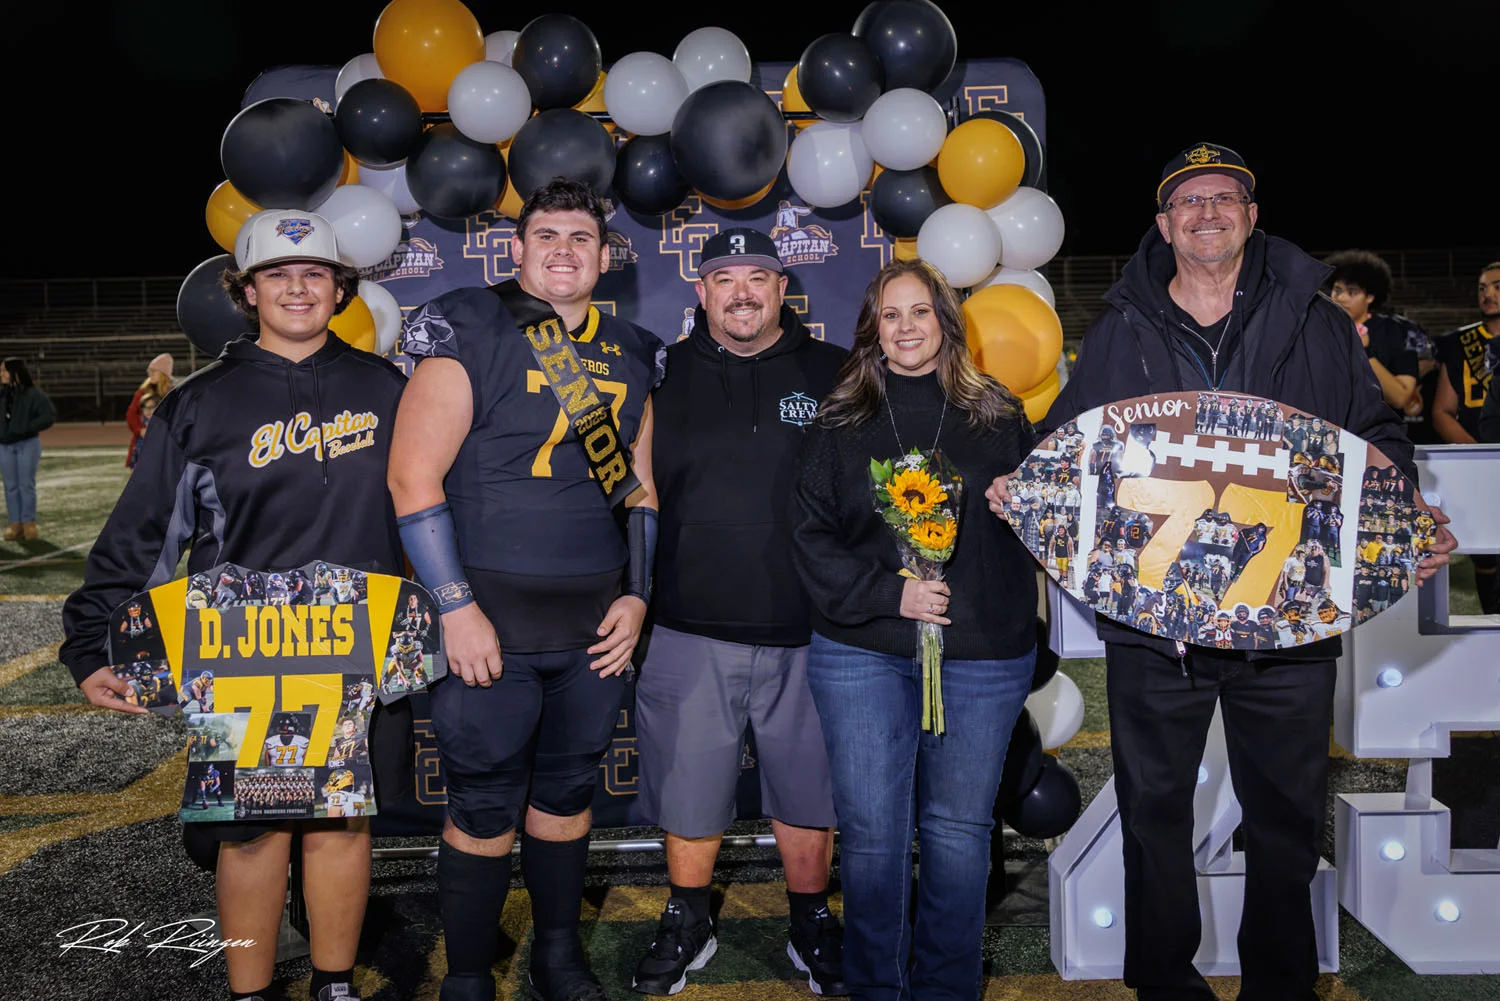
pixel 158 381
pixel 1361 284
pixel 25 412
pixel 1468 357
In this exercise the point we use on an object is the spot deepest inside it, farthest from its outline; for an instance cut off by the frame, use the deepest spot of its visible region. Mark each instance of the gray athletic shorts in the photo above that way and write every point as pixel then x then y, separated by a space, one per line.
pixel 693 700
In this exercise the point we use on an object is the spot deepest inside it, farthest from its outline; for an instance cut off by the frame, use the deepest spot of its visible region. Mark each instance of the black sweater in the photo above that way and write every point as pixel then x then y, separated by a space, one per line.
pixel 724 453
pixel 847 555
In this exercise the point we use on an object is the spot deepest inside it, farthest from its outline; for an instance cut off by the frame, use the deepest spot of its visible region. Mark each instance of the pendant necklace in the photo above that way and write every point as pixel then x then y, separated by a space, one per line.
pixel 892 414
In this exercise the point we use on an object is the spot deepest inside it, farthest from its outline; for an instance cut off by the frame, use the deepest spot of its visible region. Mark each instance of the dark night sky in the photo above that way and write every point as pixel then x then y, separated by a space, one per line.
pixel 1370 126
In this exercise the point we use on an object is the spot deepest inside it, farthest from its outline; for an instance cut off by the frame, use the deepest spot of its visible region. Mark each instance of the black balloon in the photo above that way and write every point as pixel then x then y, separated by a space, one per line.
pixel 901 200
pixel 839 77
pixel 378 122
pixel 1051 807
pixel 281 153
pixel 452 176
pixel 561 143
pixel 558 57
pixel 205 312
pixel 1046 660
pixel 729 139
pixel 1031 144
pixel 913 39
pixel 646 176
pixel 1023 762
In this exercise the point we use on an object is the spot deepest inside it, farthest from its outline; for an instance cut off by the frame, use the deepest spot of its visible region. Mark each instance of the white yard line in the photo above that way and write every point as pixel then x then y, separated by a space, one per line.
pixel 45 557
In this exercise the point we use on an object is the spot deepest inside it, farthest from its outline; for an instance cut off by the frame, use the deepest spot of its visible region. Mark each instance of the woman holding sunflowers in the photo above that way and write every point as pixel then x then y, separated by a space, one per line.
pixel 916 743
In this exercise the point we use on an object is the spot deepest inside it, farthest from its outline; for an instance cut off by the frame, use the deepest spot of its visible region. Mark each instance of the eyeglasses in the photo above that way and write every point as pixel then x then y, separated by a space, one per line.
pixel 1223 200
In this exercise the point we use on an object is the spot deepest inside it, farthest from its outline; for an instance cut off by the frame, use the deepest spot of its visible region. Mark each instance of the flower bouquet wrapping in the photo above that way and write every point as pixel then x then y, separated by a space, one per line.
pixel 919 495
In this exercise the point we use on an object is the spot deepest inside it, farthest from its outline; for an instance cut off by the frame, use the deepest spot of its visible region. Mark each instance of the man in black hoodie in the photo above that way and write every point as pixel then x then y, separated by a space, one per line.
pixel 729 648
pixel 1209 303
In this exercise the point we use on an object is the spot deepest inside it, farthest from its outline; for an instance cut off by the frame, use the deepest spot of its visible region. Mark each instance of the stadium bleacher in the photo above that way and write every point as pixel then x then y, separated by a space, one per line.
pixel 87 341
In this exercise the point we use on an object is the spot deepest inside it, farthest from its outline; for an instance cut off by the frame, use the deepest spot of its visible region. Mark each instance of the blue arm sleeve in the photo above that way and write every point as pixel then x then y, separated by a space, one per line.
pixel 432 546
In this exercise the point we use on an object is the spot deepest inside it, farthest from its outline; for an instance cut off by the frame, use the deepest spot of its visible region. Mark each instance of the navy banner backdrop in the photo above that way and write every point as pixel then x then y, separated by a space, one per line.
pixel 831 256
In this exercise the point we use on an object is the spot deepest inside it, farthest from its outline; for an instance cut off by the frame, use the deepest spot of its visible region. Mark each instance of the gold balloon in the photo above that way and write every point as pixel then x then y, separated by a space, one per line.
pixel 510 201
pixel 1039 400
pixel 595 99
pixel 1014 335
pixel 350 174
pixel 226 212
pixel 423 44
pixel 738 203
pixel 906 249
pixel 355 325
pixel 791 99
pixel 981 163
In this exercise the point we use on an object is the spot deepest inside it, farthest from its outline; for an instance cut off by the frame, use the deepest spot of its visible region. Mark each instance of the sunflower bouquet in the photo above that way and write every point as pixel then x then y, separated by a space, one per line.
pixel 918 495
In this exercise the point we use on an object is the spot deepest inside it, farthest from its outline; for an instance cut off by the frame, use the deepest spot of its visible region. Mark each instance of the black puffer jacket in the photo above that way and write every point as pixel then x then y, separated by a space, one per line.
pixel 1287 342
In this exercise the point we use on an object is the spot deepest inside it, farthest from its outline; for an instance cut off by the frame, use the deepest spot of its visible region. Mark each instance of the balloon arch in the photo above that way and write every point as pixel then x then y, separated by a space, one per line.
pixel 877 141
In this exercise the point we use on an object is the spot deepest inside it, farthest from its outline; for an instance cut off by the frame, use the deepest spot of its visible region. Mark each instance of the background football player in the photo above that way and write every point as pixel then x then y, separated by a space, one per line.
pixel 339 796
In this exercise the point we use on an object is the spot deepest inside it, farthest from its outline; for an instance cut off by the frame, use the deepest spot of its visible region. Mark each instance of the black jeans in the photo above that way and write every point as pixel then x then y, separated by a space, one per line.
pixel 1276 721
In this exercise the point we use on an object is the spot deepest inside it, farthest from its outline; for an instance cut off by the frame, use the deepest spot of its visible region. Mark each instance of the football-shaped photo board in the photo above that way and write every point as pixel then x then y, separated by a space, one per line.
pixel 1220 519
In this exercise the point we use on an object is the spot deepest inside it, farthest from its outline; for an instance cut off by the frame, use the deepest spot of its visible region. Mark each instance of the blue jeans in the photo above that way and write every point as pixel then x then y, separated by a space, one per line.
pixel 890 781
pixel 18 461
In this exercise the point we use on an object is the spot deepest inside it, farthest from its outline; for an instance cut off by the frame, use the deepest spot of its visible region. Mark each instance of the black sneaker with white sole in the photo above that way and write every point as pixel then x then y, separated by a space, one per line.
pixel 815 946
pixel 680 945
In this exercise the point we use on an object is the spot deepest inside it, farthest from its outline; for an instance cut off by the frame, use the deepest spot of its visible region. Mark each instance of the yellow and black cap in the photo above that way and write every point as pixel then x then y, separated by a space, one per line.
pixel 1203 156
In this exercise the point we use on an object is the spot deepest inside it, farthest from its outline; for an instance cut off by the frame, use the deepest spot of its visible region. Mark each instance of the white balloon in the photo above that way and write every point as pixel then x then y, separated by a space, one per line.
pixel 391 182
pixel 499 46
pixel 904 128
pixel 1057 708
pixel 961 242
pixel 488 102
pixel 710 54
pixel 361 67
pixel 642 92
pixel 365 222
pixel 387 313
pixel 828 164
pixel 1031 229
pixel 1033 280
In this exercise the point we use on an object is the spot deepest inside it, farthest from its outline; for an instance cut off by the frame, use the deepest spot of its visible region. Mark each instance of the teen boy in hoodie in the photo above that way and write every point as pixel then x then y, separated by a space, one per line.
pixel 221 455
pixel 729 648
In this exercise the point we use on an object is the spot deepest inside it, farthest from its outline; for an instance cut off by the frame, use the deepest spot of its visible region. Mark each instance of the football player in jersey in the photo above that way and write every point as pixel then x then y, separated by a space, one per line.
pixel 348 745
pixel 277 592
pixel 200 693
pixel 210 783
pixel 339 796
pixel 285 747
pixel 229 589
pixel 200 588
pixel 510 524
pixel 135 623
pixel 416 617
pixel 344 592
pixel 1331 621
pixel 404 663
pixel 323 585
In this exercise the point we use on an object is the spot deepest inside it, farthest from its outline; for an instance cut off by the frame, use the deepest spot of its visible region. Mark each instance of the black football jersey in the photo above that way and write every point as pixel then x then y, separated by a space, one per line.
pixel 523 497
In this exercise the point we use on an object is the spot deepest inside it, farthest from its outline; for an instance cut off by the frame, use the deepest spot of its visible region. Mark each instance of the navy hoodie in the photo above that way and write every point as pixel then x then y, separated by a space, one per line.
pixel 231 468
pixel 1287 342
pixel 724 456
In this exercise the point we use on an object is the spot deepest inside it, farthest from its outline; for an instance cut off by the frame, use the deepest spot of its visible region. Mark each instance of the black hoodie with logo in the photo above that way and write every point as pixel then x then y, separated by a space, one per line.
pixel 1284 341
pixel 724 456
pixel 232 468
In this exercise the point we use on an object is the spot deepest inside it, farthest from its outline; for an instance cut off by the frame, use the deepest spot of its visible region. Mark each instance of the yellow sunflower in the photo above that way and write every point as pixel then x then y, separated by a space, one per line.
pixel 935 535
pixel 915 492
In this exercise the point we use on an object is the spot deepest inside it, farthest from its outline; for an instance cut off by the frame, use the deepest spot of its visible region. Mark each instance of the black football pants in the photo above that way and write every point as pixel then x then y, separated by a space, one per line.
pixel 1277 715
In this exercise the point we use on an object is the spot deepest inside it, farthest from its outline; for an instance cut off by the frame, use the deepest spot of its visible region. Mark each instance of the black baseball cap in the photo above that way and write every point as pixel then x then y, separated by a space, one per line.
pixel 740 245
pixel 1204 156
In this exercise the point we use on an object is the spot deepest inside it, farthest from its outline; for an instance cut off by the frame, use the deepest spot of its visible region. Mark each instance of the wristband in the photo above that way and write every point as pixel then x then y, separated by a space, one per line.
pixel 432 547
pixel 640 532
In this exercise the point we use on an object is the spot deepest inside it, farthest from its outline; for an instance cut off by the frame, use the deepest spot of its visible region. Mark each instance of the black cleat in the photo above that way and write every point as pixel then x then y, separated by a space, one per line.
pixel 816 947
pixel 677 948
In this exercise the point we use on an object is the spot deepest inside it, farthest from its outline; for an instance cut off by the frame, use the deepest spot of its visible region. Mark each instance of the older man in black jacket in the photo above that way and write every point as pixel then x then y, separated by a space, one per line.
pixel 1210 303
